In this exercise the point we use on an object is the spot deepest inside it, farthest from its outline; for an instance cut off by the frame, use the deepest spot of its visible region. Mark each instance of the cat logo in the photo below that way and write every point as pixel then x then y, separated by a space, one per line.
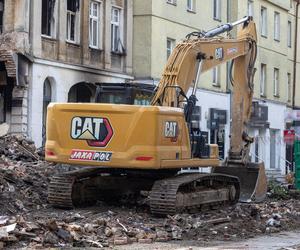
pixel 96 131
pixel 171 129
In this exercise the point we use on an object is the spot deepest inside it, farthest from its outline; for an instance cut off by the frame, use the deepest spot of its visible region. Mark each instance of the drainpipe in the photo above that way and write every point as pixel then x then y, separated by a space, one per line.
pixel 295 53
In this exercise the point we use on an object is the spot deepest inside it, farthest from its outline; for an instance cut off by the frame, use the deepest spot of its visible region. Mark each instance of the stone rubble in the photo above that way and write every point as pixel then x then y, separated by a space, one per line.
pixel 27 220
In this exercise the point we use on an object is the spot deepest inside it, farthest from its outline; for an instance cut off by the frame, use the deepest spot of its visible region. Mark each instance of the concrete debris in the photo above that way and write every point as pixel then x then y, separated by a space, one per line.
pixel 4 128
pixel 27 220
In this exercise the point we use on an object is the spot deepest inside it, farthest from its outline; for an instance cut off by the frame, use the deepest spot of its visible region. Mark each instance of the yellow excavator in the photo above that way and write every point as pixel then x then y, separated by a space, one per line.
pixel 125 149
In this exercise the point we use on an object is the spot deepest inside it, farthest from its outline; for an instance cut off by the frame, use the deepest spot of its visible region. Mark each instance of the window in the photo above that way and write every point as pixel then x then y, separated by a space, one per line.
pixel 191 5
pixel 116 42
pixel 46 100
pixel 276 26
pixel 171 2
pixel 170 46
pixel 250 7
pixel 72 22
pixel 263 78
pixel 47 17
pixel 217 10
pixel 94 24
pixel 1 15
pixel 263 22
pixel 289 93
pixel 276 82
pixel 289 34
pixel 216 76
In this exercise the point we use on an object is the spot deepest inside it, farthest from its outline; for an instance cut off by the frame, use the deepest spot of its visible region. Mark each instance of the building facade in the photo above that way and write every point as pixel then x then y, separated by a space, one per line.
pixel 159 25
pixel 55 51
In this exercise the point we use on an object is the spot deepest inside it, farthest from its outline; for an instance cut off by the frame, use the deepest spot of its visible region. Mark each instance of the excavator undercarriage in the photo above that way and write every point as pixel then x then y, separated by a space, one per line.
pixel 168 193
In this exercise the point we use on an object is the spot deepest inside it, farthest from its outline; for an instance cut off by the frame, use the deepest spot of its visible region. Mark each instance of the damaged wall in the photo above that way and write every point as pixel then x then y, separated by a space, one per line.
pixel 58 47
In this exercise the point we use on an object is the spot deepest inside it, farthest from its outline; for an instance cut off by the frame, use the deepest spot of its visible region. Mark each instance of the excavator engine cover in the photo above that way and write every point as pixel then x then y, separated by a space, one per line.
pixel 252 178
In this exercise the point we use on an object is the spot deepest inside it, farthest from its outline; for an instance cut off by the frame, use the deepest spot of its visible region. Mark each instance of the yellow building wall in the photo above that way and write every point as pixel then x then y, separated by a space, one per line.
pixel 275 54
pixel 155 21
pixel 170 21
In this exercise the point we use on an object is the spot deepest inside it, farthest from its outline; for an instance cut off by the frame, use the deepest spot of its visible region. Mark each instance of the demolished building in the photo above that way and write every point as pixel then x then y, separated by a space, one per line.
pixel 54 51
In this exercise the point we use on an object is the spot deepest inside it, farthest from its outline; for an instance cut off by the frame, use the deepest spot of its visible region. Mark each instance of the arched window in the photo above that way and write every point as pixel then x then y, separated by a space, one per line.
pixel 47 97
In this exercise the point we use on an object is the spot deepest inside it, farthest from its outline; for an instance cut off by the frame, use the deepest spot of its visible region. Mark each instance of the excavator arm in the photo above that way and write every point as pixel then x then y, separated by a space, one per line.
pixel 194 56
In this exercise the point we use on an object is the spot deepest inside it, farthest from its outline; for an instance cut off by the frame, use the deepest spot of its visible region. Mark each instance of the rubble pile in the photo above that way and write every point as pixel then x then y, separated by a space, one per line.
pixel 27 220
pixel 103 226
pixel 23 176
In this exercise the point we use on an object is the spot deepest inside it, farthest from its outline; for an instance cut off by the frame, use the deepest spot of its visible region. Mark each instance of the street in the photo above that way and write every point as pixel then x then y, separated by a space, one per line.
pixel 285 240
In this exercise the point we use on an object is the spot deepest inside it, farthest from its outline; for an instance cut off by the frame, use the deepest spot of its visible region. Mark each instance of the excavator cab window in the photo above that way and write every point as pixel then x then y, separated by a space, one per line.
pixel 124 93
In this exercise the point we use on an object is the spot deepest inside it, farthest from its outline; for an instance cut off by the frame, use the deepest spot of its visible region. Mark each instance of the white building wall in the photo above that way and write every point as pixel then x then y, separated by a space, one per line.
pixel 276 114
pixel 209 99
pixel 277 121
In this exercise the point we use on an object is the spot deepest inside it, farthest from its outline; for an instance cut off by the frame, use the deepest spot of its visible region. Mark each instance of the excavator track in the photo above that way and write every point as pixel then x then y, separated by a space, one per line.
pixel 85 186
pixel 71 189
pixel 190 191
pixel 60 191
pixel 181 193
